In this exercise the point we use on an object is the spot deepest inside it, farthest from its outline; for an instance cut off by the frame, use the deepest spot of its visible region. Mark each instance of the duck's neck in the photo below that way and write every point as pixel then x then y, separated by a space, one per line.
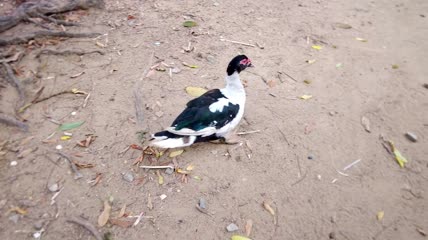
pixel 233 83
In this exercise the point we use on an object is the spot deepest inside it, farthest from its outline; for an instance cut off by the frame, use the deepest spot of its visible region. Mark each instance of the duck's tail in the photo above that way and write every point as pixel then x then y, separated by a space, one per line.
pixel 167 139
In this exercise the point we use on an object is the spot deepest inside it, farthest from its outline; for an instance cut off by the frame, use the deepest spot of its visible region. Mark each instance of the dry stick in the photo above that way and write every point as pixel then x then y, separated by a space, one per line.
pixel 248 132
pixel 8 120
pixel 288 75
pixel 84 223
pixel 39 34
pixel 56 21
pixel 67 52
pixel 156 167
pixel 15 82
pixel 242 43
pixel 13 58
pixel 72 165
pixel 138 98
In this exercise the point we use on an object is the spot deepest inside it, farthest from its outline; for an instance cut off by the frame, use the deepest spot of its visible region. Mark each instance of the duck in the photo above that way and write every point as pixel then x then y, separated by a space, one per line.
pixel 212 116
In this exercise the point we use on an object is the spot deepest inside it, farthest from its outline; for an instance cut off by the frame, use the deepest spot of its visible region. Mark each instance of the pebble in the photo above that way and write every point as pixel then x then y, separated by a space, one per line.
pixel 162 197
pixel 411 136
pixel 169 171
pixel 58 147
pixel 14 218
pixel 232 227
pixel 13 163
pixel 38 225
pixel 216 4
pixel 53 187
pixel 128 176
pixel 202 203
pixel 210 59
pixel 310 157
pixel 176 70
pixel 73 113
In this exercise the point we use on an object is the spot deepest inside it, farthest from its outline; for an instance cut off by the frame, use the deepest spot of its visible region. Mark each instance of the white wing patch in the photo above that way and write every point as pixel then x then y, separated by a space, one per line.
pixel 219 105
pixel 189 132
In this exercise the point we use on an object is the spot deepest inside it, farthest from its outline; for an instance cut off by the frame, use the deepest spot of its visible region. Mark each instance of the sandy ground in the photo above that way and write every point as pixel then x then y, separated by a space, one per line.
pixel 312 198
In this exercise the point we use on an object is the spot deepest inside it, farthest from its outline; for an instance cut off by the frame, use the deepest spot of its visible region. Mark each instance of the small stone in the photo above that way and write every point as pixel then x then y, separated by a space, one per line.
pixel 128 176
pixel 58 147
pixel 73 113
pixel 162 197
pixel 202 203
pixel 426 85
pixel 332 113
pixel 310 157
pixel 332 235
pixel 218 4
pixel 13 163
pixel 411 136
pixel 210 59
pixel 37 235
pixel 176 70
pixel 53 187
pixel 232 227
pixel 14 218
pixel 38 225
pixel 169 171
pixel 157 43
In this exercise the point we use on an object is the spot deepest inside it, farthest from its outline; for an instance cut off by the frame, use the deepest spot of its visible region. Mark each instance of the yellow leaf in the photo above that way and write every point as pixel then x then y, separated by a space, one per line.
pixel 239 237
pixel 160 178
pixel 65 138
pixel 105 215
pixel 268 208
pixel 317 47
pixel 189 65
pixel 401 160
pixel 395 66
pixel 190 167
pixel 361 39
pixel 307 81
pixel 380 215
pixel 176 153
pixel 77 91
pixel 18 210
pixel 197 178
pixel 179 170
pixel 195 91
pixel 306 97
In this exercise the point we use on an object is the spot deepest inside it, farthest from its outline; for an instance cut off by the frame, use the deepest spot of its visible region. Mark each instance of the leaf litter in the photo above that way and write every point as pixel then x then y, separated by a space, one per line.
pixel 105 215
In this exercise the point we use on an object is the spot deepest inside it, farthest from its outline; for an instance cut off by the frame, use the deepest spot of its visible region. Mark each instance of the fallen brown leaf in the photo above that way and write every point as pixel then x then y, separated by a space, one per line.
pixel 17 210
pixel 83 165
pixel 267 206
pixel 248 227
pixel 97 179
pixel 105 215
pixel 122 211
pixel 121 223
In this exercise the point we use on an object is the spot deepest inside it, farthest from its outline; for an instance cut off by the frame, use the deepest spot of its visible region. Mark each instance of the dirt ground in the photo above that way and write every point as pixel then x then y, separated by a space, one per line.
pixel 376 69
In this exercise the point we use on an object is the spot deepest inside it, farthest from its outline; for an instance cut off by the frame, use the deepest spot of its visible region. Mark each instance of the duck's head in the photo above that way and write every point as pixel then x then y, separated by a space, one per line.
pixel 238 64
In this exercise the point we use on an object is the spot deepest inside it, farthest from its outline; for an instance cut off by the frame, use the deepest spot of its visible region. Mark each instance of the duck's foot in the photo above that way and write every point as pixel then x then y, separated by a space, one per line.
pixel 231 139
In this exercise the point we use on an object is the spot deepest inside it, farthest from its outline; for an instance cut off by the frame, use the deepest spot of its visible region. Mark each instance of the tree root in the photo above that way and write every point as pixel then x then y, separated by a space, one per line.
pixel 45 7
pixel 8 120
pixel 15 82
pixel 87 225
pixel 67 52
pixel 39 34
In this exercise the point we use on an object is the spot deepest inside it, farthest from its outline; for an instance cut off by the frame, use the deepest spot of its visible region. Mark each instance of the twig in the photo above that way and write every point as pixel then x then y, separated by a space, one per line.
pixel 248 132
pixel 85 102
pixel 138 96
pixel 15 82
pixel 13 58
pixel 55 196
pixel 351 164
pixel 288 75
pixel 67 52
pixel 301 179
pixel 73 166
pixel 203 210
pixel 8 120
pixel 56 21
pixel 44 33
pixel 51 96
pixel 157 167
pixel 242 43
pixel 84 223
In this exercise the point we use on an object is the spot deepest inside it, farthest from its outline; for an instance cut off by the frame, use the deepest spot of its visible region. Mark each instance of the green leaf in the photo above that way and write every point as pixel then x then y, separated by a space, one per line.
pixel 68 126
pixel 190 24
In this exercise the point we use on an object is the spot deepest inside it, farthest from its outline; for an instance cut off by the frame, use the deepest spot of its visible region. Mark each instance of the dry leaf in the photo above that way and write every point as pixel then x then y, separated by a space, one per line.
pixel 361 39
pixel 238 237
pixel 121 223
pixel 401 160
pixel 26 152
pixel 190 167
pixel 97 179
pixel 26 140
pixel 105 215
pixel 316 47
pixel 366 123
pixel 17 210
pixel 176 153
pixel 380 215
pixel 189 65
pixel 122 211
pixel 160 177
pixel 77 75
pixel 394 66
pixel 248 227
pixel 65 138
pixel 305 97
pixel 195 91
pixel 268 208
pixel 343 25
pixel 83 165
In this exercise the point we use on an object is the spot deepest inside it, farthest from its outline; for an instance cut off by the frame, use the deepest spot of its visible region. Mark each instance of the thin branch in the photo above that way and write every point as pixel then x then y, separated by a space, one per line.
pixel 44 33
pixel 84 223
pixel 72 165
pixel 67 52
pixel 8 120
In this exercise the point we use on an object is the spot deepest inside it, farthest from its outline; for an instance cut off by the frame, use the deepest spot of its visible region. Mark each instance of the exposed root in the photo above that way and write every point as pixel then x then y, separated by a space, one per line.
pixel 67 52
pixel 15 82
pixel 87 225
pixel 45 8
pixel 8 120
pixel 45 33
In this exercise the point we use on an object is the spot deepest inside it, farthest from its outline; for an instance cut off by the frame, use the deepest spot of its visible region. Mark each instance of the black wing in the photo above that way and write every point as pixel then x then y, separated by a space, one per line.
pixel 198 116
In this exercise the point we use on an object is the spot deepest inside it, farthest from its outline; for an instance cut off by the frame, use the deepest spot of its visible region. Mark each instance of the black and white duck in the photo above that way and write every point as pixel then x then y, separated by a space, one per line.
pixel 212 116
